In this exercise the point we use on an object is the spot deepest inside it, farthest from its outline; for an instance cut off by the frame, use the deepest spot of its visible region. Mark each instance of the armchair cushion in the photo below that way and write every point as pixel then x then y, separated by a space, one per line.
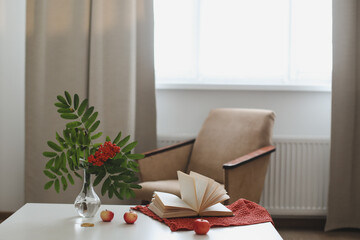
pixel 228 134
pixel 148 188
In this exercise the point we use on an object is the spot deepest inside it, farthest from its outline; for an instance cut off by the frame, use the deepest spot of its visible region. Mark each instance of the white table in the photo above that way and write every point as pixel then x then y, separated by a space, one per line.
pixel 60 222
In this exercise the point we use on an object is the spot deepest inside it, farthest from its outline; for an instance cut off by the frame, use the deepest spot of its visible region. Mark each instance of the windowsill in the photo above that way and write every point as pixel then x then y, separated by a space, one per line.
pixel 242 87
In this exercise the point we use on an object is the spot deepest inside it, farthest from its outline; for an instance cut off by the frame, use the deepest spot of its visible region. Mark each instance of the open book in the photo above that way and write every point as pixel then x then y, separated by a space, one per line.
pixel 200 195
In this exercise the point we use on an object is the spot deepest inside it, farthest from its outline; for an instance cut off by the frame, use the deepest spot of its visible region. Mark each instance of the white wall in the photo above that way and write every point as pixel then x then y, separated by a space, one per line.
pixel 12 97
pixel 298 113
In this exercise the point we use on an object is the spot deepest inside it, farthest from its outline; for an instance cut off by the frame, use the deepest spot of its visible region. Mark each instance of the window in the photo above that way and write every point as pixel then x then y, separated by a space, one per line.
pixel 250 42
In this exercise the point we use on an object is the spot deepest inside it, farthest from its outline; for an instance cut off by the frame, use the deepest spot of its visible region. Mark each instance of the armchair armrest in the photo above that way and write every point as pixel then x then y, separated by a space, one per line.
pixel 245 176
pixel 249 157
pixel 168 148
pixel 163 163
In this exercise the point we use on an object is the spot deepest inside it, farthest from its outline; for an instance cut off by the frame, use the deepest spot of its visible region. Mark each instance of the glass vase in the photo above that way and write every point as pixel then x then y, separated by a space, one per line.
pixel 87 203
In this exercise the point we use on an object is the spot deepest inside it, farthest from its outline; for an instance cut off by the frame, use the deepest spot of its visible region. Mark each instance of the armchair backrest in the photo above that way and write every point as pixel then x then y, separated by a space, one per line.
pixel 229 133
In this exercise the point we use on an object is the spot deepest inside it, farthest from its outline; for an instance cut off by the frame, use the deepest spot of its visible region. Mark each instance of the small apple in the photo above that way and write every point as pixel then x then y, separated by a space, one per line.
pixel 107 215
pixel 201 226
pixel 130 217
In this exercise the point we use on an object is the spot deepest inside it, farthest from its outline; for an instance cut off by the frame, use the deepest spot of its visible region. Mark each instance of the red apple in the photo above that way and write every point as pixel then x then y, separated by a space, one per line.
pixel 130 217
pixel 201 226
pixel 107 215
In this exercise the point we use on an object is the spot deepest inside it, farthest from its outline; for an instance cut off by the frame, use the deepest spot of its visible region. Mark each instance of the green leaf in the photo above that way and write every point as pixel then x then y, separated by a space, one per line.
pixel 120 184
pixel 82 107
pixel 123 191
pixel 99 177
pixel 50 163
pixel 49 154
pixel 64 110
pixel 61 105
pixel 73 135
pixel 111 191
pixel 132 193
pixel 134 165
pixel 57 163
pixel 61 99
pixel 73 124
pixel 64 183
pixel 136 186
pixel 87 140
pixel 69 160
pixel 124 141
pixel 68 97
pixel 78 175
pixel 48 185
pixel 58 138
pixel 124 164
pixel 67 135
pixel 76 101
pixel 63 161
pixel 118 195
pixel 91 120
pixel 86 153
pixel 135 156
pixel 127 193
pixel 54 146
pixel 64 145
pixel 117 139
pixel 87 114
pixel 71 180
pixel 70 163
pixel 49 174
pixel 57 185
pixel 77 156
pixel 96 145
pixel 59 173
pixel 105 186
pixel 108 139
pixel 131 179
pixel 69 116
pixel 81 138
pixel 129 147
pixel 96 136
pixel 94 126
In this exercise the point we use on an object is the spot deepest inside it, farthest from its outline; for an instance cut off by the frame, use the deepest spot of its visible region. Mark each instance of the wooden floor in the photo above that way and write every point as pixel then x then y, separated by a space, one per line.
pixel 297 229
pixel 317 234
pixel 311 228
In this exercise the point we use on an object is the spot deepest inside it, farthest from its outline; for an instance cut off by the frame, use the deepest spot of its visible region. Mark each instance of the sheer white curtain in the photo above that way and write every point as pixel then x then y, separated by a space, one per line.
pixel 102 50
pixel 344 190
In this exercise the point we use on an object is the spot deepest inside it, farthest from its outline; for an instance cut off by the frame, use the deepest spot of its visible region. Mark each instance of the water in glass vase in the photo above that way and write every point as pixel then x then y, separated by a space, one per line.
pixel 87 203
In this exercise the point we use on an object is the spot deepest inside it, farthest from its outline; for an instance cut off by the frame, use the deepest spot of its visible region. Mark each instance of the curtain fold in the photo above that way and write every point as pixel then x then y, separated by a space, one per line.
pixel 101 50
pixel 344 188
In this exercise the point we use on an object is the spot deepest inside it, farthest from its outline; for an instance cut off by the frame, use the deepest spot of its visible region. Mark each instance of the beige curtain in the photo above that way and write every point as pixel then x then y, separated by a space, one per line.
pixel 344 190
pixel 102 50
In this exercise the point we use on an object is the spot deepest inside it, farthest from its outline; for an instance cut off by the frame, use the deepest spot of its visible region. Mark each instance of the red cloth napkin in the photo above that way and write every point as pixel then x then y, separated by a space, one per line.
pixel 245 213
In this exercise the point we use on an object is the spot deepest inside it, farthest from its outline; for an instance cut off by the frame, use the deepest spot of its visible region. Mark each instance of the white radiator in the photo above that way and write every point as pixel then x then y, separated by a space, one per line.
pixel 298 175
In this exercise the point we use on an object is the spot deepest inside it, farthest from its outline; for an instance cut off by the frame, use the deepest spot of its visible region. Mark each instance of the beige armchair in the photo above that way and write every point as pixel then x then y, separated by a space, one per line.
pixel 233 147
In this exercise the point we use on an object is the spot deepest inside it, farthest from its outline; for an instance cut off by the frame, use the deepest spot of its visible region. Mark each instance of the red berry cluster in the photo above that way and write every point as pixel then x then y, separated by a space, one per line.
pixel 105 152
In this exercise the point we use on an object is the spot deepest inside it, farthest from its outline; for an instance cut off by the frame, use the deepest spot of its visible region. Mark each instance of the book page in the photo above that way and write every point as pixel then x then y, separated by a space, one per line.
pixel 217 210
pixel 172 213
pixel 169 200
pixel 187 190
pixel 201 185
pixel 214 191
